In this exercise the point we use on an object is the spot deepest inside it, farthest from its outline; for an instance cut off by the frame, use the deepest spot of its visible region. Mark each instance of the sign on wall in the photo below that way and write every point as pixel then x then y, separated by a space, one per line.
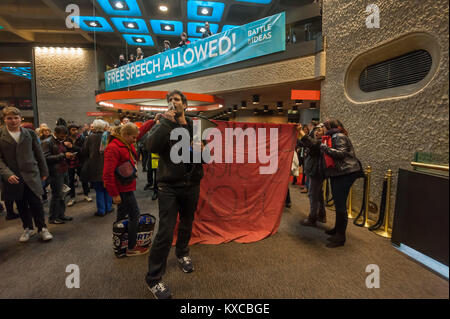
pixel 100 113
pixel 255 39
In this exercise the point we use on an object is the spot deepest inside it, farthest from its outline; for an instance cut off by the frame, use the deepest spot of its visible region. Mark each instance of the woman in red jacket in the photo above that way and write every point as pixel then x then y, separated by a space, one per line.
pixel 120 151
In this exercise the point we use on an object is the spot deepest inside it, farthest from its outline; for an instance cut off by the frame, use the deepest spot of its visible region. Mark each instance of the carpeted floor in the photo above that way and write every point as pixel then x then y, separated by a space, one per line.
pixel 294 263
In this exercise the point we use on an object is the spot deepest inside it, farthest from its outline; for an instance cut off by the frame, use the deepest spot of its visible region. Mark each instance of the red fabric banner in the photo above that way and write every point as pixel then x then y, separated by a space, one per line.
pixel 237 202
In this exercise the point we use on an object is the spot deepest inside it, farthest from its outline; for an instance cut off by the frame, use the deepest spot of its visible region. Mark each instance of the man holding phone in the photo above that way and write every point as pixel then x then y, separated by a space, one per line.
pixel 74 144
pixel 56 154
pixel 178 193
pixel 22 169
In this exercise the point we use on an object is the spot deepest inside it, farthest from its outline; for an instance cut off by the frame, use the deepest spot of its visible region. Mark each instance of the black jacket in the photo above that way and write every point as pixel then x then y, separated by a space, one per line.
pixel 52 154
pixel 206 34
pixel 313 160
pixel 169 173
pixel 77 147
pixel 92 170
pixel 343 155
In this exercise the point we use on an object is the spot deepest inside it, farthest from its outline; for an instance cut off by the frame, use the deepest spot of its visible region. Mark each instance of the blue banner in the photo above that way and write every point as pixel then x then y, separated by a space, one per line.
pixel 249 41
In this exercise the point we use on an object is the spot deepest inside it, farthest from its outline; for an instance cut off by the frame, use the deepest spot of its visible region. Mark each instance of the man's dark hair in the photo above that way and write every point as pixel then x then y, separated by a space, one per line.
pixel 172 93
pixel 60 129
pixel 71 126
pixel 61 122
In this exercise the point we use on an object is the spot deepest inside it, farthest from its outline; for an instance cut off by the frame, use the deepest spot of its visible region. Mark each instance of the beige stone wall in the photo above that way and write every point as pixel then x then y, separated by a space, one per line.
pixel 65 85
pixel 386 133
pixel 304 68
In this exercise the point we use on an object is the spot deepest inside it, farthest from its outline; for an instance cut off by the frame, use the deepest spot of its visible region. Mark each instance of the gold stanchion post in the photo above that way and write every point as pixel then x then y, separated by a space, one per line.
pixel 367 223
pixel 349 206
pixel 385 231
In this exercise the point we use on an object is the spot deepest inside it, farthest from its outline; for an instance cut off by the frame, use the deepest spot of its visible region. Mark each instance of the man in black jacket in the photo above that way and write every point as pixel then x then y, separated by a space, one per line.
pixel 178 191
pixel 74 144
pixel 56 155
pixel 313 169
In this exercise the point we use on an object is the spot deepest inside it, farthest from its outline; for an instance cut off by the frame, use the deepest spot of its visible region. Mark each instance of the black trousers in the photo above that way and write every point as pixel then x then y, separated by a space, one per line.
pixel 129 206
pixel 316 201
pixel 145 159
pixel 30 208
pixel 57 207
pixel 85 185
pixel 288 197
pixel 9 204
pixel 340 187
pixel 172 201
pixel 151 177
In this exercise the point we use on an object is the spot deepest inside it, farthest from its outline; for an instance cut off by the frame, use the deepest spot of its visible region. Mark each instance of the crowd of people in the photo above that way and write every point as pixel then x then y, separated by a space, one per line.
pixel 167 46
pixel 34 161
pixel 105 158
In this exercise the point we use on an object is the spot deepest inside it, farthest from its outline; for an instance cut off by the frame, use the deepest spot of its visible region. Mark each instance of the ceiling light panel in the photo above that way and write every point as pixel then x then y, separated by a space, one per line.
pixel 163 8
pixel 159 27
pixel 124 25
pixel 139 40
pixel 193 28
pixel 197 10
pixel 22 72
pixel 205 11
pixel 97 24
pixel 127 8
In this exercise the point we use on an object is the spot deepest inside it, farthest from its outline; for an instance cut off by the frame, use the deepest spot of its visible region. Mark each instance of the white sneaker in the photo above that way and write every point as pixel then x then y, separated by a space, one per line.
pixel 45 234
pixel 71 202
pixel 87 198
pixel 27 233
pixel 65 188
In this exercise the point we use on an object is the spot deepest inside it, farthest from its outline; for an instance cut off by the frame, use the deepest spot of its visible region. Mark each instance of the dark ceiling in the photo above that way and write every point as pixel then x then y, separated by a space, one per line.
pixel 43 22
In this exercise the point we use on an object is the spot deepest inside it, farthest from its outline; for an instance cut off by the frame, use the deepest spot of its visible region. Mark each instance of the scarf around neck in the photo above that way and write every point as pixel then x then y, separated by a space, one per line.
pixel 130 149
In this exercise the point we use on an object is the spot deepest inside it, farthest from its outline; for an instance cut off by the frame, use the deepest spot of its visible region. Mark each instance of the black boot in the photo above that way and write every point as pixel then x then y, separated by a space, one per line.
pixel 341 225
pixel 12 216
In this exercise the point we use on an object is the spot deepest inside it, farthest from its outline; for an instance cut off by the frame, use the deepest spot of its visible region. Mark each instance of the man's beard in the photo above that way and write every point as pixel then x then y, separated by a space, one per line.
pixel 178 113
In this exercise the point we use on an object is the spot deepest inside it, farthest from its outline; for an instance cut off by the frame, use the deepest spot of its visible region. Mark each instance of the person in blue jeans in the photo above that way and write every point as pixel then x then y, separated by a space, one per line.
pixel 104 201
pixel 92 170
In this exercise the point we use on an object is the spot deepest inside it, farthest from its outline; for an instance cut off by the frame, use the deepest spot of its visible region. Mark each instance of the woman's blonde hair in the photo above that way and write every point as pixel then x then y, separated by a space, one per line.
pixel 43 127
pixel 129 129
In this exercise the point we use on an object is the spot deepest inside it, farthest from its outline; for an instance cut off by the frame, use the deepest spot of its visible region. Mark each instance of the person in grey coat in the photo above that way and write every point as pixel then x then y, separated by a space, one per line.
pixel 22 169
pixel 92 170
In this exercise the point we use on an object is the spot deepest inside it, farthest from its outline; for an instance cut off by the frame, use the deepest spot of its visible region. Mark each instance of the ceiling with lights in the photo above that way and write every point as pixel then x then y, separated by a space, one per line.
pixel 24 72
pixel 120 26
